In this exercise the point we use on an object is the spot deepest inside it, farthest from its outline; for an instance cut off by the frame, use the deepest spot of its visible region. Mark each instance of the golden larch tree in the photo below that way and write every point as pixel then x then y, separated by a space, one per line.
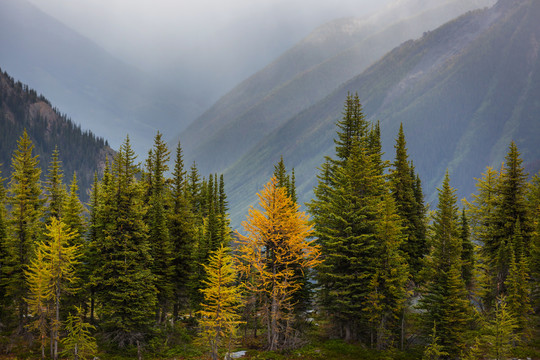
pixel 275 245
pixel 222 296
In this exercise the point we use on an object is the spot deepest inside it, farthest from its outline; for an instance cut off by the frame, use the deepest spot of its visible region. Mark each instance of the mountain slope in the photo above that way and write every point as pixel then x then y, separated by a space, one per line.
pixel 101 92
pixel 21 108
pixel 308 72
pixel 463 92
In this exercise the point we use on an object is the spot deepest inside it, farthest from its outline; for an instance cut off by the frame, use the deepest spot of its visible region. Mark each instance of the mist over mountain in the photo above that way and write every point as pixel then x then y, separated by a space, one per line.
pixel 99 91
pixel 462 92
pixel 21 108
pixel 305 74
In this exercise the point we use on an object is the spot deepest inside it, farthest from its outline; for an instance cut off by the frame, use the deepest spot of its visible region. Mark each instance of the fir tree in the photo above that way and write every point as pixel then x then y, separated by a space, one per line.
pixel 445 299
pixel 90 258
pixel 352 126
pixel 125 284
pixel 389 283
pixel 467 252
pixel 511 208
pixel 182 234
pixel 54 187
pixel 161 249
pixel 481 213
pixel 345 211
pixel 402 184
pixel 517 285
pixel 26 209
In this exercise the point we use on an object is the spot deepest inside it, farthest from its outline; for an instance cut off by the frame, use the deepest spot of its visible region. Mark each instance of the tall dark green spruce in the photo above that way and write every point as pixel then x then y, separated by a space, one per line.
pixel 403 184
pixel 345 211
pixel 181 223
pixel 388 287
pixel 90 257
pixel 26 205
pixel 511 208
pixel 160 245
pixel 467 252
pixel 445 300
pixel 125 284
pixel 55 188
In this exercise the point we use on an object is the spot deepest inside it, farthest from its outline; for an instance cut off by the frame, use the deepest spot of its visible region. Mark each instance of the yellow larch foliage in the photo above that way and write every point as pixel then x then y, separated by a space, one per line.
pixel 275 246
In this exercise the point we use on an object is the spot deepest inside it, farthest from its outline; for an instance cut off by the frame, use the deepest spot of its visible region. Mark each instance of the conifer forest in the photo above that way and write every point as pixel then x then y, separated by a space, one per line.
pixel 150 267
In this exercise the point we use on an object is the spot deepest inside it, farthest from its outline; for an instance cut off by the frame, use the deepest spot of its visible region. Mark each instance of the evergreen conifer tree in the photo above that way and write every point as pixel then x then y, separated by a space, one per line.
pixel 402 184
pixel 518 286
pixel 511 208
pixel 467 252
pixel 445 299
pixel 125 284
pixel 55 188
pixel 345 212
pixel 160 245
pixel 26 208
pixel 389 283
pixel 182 234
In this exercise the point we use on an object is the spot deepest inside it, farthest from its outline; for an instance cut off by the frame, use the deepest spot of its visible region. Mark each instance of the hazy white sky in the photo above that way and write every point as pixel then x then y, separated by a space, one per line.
pixel 151 33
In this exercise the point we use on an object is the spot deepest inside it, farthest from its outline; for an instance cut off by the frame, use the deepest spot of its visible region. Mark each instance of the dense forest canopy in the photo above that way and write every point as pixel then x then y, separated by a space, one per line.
pixel 151 267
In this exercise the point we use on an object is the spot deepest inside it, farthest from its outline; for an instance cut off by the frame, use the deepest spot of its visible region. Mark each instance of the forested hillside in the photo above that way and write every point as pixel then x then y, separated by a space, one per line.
pixel 22 108
pixel 87 82
pixel 331 55
pixel 462 92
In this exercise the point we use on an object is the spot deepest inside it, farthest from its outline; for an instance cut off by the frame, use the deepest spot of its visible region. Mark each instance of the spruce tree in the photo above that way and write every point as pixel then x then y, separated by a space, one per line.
pixel 518 285
pixel 481 213
pixel 90 257
pixel 467 252
pixel 55 188
pixel 511 208
pixel 181 223
pixel 345 213
pixel 389 283
pixel 160 245
pixel 402 184
pixel 26 208
pixel 353 125
pixel 125 284
pixel 74 211
pixel 445 300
